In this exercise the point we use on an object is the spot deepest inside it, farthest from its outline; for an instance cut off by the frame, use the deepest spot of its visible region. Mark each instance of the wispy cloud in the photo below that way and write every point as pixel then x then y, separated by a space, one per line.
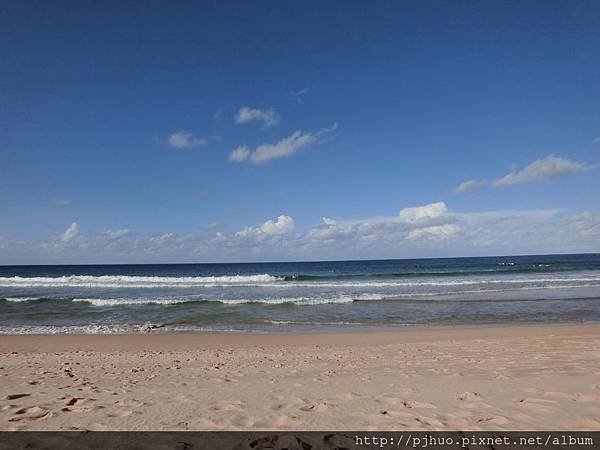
pixel 469 186
pixel 239 154
pixel 543 169
pixel 219 113
pixel 596 140
pixel 58 201
pixel 185 139
pixel 285 147
pixel 268 117
pixel 298 95
pixel 113 235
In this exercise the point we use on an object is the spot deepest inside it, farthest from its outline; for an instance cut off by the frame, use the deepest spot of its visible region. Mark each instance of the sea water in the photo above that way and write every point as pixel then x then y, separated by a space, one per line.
pixel 300 296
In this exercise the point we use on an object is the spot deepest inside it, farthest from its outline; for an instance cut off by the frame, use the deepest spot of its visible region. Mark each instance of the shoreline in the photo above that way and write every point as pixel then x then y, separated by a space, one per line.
pixel 189 340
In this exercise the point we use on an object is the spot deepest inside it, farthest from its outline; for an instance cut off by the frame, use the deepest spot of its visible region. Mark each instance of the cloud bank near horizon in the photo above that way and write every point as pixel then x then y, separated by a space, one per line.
pixel 431 230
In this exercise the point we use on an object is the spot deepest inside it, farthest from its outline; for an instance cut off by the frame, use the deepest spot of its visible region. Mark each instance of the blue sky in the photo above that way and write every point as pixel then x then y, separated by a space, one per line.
pixel 118 122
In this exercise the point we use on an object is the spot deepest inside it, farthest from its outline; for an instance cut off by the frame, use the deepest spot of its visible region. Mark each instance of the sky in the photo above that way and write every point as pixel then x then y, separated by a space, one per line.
pixel 154 132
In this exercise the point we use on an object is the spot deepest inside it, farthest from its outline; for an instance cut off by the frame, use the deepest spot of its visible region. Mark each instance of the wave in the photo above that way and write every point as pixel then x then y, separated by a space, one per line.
pixel 264 280
pixel 22 299
pixel 504 269
pixel 441 283
pixel 120 281
pixel 268 301
pixel 130 301
pixel 76 329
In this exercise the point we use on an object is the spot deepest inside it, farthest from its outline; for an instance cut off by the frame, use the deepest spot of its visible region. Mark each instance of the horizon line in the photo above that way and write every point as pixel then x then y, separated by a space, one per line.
pixel 305 261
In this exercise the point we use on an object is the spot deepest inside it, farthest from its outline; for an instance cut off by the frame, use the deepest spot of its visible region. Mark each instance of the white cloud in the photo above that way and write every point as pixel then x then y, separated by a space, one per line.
pixel 469 186
pixel 437 231
pixel 329 221
pixel 239 154
pixel 285 147
pixel 113 235
pixel 543 169
pixel 268 117
pixel 185 139
pixel 433 230
pixel 421 213
pixel 283 225
pixel 596 140
pixel 70 232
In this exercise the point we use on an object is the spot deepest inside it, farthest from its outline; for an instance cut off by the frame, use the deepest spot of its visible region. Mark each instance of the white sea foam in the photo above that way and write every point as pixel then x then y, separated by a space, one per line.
pixel 239 301
pixel 443 282
pixel 131 301
pixel 264 280
pixel 308 323
pixel 71 329
pixel 125 281
pixel 292 300
pixel 21 299
pixel 366 296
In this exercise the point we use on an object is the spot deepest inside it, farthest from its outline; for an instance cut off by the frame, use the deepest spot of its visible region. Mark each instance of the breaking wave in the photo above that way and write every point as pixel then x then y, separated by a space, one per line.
pixel 127 281
pixel 266 280
pixel 268 301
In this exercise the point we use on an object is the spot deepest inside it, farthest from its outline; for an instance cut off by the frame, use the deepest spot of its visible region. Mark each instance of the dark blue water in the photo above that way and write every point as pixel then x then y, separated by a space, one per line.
pixel 305 296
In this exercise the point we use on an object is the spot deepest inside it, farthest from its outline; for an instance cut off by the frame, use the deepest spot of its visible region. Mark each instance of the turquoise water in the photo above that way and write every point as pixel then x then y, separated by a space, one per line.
pixel 307 296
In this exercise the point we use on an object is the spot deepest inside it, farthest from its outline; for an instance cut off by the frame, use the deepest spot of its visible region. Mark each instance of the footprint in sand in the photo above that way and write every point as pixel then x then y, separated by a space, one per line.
pixel 469 396
pixel 406 403
pixel 536 402
pixel 121 414
pixel 227 405
pixel 496 420
pixel 586 398
pixel 471 400
pixel 392 414
pixel 314 407
pixel 31 413
pixel 75 404
pixel 15 396
pixel 415 404
pixel 429 421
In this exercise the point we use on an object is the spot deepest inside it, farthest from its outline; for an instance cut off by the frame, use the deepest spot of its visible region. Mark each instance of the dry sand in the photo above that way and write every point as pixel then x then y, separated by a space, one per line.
pixel 511 378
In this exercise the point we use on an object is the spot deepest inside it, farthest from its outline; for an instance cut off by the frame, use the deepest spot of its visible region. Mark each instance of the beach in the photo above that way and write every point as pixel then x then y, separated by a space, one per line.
pixel 516 377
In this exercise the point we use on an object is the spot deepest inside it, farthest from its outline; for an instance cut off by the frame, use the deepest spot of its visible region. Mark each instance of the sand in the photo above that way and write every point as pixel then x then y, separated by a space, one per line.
pixel 496 378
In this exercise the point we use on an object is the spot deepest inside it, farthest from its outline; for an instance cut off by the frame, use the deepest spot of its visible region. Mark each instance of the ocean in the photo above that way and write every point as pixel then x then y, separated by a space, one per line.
pixel 300 296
